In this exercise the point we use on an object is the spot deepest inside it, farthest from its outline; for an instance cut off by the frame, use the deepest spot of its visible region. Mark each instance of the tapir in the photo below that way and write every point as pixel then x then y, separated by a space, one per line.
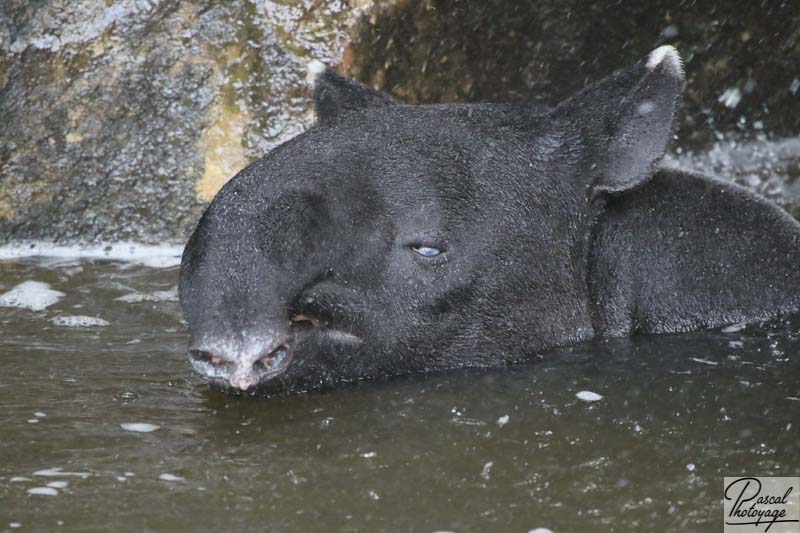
pixel 392 239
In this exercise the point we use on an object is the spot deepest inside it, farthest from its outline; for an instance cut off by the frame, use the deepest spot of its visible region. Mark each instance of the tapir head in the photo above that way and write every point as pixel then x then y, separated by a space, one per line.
pixel 392 239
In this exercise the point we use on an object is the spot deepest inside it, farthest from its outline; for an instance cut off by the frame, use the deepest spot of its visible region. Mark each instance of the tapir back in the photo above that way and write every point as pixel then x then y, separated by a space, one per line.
pixel 685 252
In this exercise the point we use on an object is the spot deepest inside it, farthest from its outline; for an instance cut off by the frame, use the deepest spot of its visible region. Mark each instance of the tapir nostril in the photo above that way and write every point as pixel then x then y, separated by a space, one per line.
pixel 275 359
pixel 208 357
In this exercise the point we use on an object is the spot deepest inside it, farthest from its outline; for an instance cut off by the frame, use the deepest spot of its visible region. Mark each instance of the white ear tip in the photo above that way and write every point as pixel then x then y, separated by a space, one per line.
pixel 315 69
pixel 668 56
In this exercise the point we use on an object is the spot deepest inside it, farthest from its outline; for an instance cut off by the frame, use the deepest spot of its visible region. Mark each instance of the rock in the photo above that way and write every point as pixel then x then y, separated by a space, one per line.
pixel 455 50
pixel 121 120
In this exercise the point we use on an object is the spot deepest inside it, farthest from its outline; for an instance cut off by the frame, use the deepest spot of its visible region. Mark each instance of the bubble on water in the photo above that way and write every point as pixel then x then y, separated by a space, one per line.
pixel 19 479
pixel 369 455
pixel 162 256
pixel 487 470
pixel 588 396
pixel 127 396
pixel 157 296
pixel 373 495
pixel 59 472
pixel 690 467
pixel 32 295
pixel 704 361
pixel 15 525
pixel 541 530
pixel 731 97
pixel 39 414
pixel 160 262
pixel 170 477
pixel 33 421
pixel 503 420
pixel 79 321
pixel 139 427
pixel 58 484
pixel 43 491
pixel 734 328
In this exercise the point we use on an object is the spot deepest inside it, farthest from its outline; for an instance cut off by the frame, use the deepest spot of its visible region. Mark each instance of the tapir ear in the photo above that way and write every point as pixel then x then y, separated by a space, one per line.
pixel 628 118
pixel 335 95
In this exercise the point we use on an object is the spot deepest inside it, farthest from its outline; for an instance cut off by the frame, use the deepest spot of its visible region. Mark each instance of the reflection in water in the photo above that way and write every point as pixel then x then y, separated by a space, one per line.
pixel 509 449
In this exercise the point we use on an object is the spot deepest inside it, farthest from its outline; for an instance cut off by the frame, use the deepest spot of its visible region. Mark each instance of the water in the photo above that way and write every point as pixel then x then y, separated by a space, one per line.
pixel 504 450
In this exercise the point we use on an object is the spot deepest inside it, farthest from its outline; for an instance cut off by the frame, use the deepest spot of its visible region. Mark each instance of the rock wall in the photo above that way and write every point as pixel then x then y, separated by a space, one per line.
pixel 742 58
pixel 119 120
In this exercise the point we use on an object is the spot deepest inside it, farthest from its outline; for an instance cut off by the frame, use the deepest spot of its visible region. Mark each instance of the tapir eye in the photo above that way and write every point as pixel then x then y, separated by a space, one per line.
pixel 426 251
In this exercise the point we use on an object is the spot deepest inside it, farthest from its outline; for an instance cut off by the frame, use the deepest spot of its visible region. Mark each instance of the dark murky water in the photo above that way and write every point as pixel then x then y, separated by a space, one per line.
pixel 505 450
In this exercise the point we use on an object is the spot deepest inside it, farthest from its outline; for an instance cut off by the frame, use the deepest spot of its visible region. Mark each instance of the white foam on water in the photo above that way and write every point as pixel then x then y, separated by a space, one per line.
pixel 157 296
pixel 59 472
pixel 704 361
pixel 734 328
pixel 79 321
pixel 487 470
pixel 32 295
pixel 588 396
pixel 58 484
pixel 170 477
pixel 39 414
pixel 43 491
pixel 503 420
pixel 139 427
pixel 541 530
pixel 19 479
pixel 155 256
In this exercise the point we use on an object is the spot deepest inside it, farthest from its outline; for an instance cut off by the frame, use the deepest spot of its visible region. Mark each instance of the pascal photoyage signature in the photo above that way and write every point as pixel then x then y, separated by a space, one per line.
pixel 752 508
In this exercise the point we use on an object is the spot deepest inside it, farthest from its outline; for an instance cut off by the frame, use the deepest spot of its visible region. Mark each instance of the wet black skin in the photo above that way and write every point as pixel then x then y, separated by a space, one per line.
pixel 392 239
